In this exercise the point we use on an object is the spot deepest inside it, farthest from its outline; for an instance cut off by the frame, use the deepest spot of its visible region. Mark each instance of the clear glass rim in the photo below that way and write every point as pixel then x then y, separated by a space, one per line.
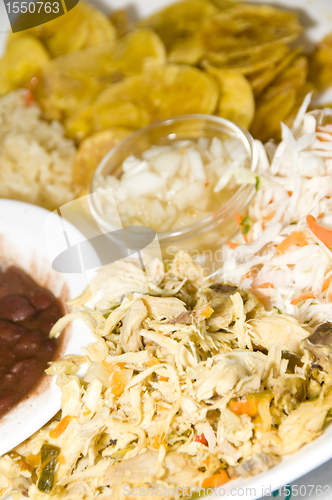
pixel 211 219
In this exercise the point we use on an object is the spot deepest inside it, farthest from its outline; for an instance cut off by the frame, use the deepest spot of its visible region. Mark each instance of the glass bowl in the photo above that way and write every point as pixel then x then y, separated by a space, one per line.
pixel 204 237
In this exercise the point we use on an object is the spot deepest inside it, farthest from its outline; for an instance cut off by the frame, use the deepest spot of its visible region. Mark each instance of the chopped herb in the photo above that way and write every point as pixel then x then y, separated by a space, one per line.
pixel 247 220
pixel 258 181
pixel 293 223
pixel 278 310
pixel 245 224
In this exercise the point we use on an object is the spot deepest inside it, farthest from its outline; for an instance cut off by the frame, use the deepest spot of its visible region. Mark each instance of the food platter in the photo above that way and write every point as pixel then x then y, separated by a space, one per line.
pixel 316 17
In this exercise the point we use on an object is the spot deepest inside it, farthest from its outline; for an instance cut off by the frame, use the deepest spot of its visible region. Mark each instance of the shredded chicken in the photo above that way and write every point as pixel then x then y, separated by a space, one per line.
pixel 189 382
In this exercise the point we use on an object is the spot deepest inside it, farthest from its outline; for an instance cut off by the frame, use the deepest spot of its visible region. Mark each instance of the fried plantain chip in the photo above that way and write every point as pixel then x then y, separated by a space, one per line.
pixel 261 79
pixel 157 94
pixel 270 113
pixel 80 125
pixel 236 101
pixel 179 22
pixel 24 58
pixel 187 51
pixel 92 150
pixel 75 79
pixel 95 117
pixel 244 26
pixel 121 21
pixel 321 64
pixel 277 102
pixel 224 4
pixel 259 57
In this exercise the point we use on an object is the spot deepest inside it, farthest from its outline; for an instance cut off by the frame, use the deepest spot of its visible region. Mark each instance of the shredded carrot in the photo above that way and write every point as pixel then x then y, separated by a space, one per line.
pixel 297 238
pixel 244 407
pixel 310 295
pixel 61 427
pixel 117 378
pixel 305 296
pixel 216 480
pixel 238 218
pixel 158 440
pixel 327 282
pixel 29 99
pixel 232 245
pixel 323 234
pixel 201 439
pixel 206 462
pixel 204 312
pixel 33 460
pixel 264 285
pixel 152 362
pixel 61 459
pixel 270 215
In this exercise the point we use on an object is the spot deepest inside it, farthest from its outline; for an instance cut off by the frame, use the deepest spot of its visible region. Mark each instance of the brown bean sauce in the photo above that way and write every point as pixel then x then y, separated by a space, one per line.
pixel 27 313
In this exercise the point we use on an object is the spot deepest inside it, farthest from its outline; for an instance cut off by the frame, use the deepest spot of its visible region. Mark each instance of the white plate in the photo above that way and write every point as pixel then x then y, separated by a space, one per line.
pixel 316 17
pixel 22 241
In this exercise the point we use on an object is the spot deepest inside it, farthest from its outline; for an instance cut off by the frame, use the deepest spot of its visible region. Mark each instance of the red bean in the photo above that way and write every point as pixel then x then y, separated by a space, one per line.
pixel 7 358
pixel 28 344
pixel 9 378
pixel 48 348
pixel 41 299
pixel 15 308
pixel 48 318
pixel 9 332
pixel 25 367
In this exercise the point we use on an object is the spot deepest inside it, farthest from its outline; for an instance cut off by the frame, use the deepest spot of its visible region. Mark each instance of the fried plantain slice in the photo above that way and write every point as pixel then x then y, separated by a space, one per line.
pixel 179 21
pixel 92 150
pixel 74 80
pixel 121 21
pixel 236 101
pixel 157 94
pixel 321 64
pixel 277 102
pixel 258 58
pixel 245 25
pixel 261 79
pixel 24 59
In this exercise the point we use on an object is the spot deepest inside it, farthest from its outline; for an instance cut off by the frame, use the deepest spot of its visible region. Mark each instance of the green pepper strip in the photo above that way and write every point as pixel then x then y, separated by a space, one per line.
pixel 49 459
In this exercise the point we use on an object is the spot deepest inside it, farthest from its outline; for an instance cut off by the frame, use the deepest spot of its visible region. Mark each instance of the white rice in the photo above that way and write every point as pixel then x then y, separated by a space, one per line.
pixel 35 156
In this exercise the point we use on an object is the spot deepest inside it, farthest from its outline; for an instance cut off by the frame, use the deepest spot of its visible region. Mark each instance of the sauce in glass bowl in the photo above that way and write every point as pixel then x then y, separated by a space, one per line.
pixel 27 314
pixel 199 218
